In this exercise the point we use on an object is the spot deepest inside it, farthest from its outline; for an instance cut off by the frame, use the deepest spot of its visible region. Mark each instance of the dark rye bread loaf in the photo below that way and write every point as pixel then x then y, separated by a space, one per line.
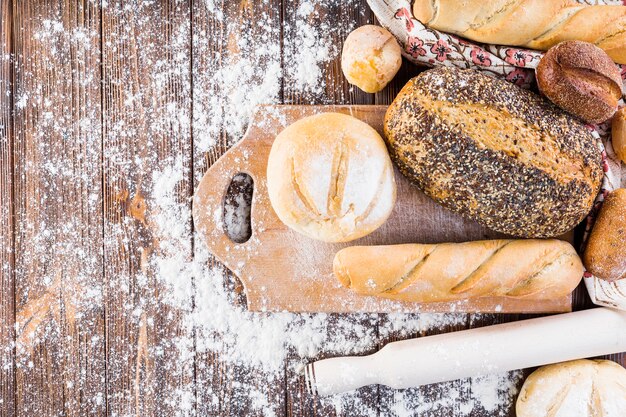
pixel 493 152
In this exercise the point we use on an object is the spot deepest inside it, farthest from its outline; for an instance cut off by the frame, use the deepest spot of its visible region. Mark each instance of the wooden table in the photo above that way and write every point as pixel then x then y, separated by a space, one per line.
pixel 83 326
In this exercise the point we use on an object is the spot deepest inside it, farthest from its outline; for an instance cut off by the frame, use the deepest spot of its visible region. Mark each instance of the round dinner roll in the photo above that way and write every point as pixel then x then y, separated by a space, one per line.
pixel 581 388
pixel 581 79
pixel 370 58
pixel 329 177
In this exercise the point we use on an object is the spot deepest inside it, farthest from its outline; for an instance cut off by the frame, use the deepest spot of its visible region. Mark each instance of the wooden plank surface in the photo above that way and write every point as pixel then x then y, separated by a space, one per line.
pixel 7 260
pixel 88 127
pixel 230 38
pixel 336 20
pixel 58 218
pixel 146 79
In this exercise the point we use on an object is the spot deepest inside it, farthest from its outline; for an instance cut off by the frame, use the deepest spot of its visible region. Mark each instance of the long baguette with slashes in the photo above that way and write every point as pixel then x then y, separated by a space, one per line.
pixel 531 269
pixel 536 24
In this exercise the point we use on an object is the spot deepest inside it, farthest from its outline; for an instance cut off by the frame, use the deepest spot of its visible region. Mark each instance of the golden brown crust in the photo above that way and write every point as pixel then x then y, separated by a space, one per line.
pixel 330 178
pixel 494 153
pixel 605 255
pixel 536 24
pixel 424 11
pixel 580 78
pixel 529 269
pixel 370 58
pixel 618 134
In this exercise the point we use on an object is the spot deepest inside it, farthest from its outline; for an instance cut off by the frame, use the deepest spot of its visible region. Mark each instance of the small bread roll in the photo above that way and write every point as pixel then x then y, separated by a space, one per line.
pixel 618 134
pixel 371 57
pixel 581 388
pixel 582 79
pixel 329 177
pixel 605 255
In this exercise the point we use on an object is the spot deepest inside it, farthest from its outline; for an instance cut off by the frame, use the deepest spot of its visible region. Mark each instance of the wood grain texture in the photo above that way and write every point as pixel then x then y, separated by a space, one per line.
pixel 58 217
pixel 224 388
pixel 209 34
pixel 146 79
pixel 7 260
pixel 57 162
pixel 336 20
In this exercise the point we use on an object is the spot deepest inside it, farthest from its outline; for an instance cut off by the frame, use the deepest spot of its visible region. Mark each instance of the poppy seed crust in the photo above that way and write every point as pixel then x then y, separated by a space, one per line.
pixel 494 153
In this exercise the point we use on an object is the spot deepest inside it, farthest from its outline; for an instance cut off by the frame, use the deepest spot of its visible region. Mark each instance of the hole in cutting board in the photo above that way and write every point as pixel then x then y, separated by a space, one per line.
pixel 237 207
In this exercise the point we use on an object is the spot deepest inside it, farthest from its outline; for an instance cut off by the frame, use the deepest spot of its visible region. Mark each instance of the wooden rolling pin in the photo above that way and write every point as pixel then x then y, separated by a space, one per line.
pixel 500 348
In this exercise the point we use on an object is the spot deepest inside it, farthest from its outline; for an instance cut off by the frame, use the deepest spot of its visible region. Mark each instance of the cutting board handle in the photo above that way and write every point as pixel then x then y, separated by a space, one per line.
pixel 245 157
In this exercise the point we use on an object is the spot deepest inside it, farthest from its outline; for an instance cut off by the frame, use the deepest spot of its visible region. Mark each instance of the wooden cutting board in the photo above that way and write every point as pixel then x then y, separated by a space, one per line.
pixel 282 270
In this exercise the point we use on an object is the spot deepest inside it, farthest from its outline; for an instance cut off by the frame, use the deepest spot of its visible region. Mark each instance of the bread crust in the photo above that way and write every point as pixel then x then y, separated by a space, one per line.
pixel 618 134
pixel 605 255
pixel 370 58
pixel 536 24
pixel 575 388
pixel 581 79
pixel 330 178
pixel 529 269
pixel 494 153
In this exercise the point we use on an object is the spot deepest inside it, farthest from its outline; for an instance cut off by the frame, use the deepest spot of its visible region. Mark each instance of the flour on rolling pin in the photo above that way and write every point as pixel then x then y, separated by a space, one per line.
pixel 499 348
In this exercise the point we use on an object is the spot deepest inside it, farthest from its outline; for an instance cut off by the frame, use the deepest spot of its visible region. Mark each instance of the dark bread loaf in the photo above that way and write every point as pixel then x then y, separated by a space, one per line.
pixel 493 152
pixel 580 78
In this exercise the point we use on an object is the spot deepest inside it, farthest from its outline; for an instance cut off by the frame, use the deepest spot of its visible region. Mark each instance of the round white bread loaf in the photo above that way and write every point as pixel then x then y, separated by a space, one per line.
pixel 329 177
pixel 582 388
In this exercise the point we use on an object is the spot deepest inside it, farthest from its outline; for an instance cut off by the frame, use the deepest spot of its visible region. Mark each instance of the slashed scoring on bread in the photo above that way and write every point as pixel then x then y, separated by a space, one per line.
pixel 329 177
pixel 580 388
pixel 531 269
pixel 535 24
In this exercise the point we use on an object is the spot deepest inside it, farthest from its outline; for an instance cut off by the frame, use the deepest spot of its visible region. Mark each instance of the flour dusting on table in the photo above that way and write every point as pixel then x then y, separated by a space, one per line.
pixel 261 348
pixel 268 342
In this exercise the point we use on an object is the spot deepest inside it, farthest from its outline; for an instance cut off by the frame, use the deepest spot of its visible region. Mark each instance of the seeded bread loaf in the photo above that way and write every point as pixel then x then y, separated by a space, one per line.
pixel 493 152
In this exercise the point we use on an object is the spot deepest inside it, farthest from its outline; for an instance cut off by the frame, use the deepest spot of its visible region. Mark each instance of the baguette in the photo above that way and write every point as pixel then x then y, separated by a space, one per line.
pixel 536 24
pixel 529 269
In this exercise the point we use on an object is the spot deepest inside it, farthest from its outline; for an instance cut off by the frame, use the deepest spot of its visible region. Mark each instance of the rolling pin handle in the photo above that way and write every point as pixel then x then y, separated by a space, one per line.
pixel 348 373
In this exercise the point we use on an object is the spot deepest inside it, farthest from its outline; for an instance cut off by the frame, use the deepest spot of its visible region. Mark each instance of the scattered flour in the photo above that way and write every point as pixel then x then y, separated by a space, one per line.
pixel 228 83
pixel 309 49
pixel 467 397
pixel 265 341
